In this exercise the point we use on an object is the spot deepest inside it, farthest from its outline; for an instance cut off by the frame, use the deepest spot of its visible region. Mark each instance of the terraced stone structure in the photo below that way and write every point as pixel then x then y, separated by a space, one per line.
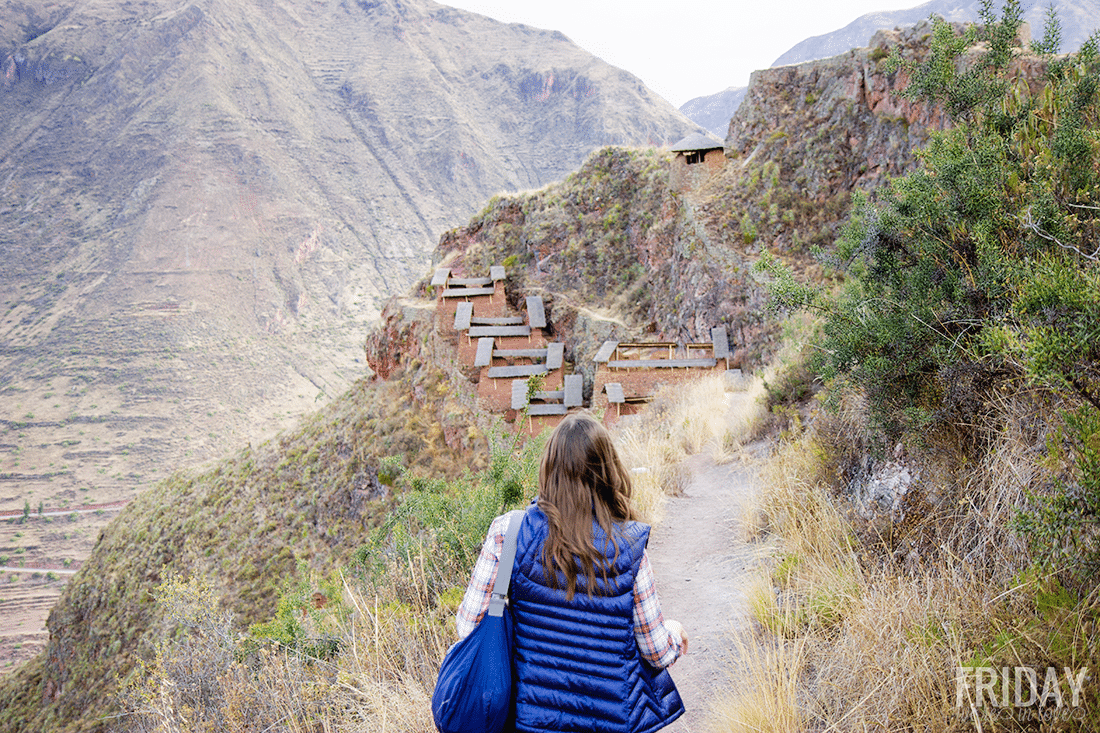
pixel 506 349
pixel 628 374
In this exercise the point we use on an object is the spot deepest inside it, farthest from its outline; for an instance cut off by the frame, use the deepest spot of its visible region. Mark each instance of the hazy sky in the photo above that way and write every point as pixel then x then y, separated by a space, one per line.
pixel 689 48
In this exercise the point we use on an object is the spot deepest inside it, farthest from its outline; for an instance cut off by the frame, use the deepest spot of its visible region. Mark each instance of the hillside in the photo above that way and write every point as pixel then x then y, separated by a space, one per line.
pixel 614 249
pixel 1080 18
pixel 303 502
pixel 205 205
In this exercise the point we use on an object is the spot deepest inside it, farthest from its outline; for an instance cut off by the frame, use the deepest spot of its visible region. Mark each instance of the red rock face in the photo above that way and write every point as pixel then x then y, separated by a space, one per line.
pixel 397 339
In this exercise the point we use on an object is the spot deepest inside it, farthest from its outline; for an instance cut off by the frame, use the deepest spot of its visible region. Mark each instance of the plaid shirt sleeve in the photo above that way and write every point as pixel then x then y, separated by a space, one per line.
pixel 658 645
pixel 476 601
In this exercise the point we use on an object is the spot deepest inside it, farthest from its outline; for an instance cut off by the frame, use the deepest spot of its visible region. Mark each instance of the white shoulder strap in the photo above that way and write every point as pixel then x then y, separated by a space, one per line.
pixel 499 597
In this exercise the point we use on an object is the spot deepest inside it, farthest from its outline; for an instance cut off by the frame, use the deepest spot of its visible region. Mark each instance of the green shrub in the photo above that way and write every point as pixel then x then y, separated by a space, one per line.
pixel 390 469
pixel 307 618
pixel 748 229
pixel 1063 523
pixel 447 520
pixel 959 274
pixel 977 274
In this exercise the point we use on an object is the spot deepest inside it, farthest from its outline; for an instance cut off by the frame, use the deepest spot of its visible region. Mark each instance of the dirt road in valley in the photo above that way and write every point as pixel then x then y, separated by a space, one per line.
pixel 703 566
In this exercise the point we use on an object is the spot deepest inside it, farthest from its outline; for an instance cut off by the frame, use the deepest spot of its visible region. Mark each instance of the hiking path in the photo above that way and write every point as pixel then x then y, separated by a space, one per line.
pixel 704 563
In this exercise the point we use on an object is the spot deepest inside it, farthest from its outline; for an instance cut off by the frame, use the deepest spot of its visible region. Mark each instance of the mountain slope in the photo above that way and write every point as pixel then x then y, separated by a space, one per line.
pixel 714 111
pixel 1079 19
pixel 203 205
pixel 617 249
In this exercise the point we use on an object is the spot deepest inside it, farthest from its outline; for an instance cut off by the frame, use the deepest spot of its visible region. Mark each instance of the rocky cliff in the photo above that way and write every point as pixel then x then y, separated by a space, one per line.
pixel 203 206
pixel 804 138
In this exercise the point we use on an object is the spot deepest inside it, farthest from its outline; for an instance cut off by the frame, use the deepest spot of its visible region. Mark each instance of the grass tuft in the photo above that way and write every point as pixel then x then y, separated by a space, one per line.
pixel 862 636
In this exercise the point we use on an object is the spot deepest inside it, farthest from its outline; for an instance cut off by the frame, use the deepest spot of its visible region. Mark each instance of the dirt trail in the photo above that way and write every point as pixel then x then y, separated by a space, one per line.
pixel 703 565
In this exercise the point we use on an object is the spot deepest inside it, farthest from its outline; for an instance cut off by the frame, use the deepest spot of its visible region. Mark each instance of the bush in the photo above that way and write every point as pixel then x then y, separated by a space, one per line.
pixel 977 274
pixel 970 267
pixel 1063 524
pixel 199 680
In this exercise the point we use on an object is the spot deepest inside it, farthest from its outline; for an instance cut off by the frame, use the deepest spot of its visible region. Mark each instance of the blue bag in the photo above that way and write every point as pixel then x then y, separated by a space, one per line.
pixel 473 693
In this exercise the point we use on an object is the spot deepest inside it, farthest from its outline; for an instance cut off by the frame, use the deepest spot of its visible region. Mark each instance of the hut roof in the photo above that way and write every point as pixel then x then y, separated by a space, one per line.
pixel 698 141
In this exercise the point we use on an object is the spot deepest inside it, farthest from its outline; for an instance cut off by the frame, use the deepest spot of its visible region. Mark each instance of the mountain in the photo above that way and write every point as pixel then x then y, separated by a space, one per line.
pixel 204 204
pixel 621 248
pixel 1079 19
pixel 714 111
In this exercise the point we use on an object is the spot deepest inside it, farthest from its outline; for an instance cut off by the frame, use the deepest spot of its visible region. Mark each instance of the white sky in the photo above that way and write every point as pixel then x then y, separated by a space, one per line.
pixel 689 48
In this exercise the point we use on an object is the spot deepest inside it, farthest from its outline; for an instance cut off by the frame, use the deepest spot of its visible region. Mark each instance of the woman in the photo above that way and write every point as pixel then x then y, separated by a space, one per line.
pixel 591 644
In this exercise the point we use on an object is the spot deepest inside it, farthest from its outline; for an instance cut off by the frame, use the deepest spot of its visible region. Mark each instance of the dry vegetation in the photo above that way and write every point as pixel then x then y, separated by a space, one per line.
pixel 358 648
pixel 715 414
pixel 862 623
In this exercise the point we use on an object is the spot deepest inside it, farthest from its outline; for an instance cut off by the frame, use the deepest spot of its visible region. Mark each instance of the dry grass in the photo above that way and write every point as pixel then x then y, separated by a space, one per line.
pixel 768 688
pixel 388 670
pixel 744 416
pixel 389 647
pixel 655 468
pixel 859 642
pixel 836 655
pixel 711 414
pixel 996 488
pixel 198 681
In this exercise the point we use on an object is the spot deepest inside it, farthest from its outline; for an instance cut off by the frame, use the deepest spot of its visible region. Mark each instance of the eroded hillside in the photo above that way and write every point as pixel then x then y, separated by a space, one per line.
pixel 204 205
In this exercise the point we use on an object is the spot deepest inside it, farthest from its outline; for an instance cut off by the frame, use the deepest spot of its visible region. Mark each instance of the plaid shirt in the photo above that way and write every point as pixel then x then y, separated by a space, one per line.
pixel 657 643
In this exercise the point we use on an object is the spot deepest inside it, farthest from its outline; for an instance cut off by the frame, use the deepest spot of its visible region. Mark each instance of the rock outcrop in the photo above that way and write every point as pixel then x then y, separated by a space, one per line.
pixel 615 252
pixel 805 137
pixel 1079 19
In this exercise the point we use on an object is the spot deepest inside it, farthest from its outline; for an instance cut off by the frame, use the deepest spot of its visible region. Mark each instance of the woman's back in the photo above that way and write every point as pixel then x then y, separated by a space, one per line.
pixel 577 661
pixel 591 644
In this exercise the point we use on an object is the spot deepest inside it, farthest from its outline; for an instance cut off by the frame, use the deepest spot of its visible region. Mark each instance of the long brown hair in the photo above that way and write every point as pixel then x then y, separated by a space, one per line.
pixel 581 477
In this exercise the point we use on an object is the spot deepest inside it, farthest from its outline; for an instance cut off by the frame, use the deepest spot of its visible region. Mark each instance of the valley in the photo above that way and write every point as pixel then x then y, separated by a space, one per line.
pixel 203 209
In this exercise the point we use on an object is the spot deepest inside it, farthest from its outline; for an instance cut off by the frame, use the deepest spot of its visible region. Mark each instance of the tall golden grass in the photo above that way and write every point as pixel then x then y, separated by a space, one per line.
pixel 767 680
pixel 852 638
pixel 712 414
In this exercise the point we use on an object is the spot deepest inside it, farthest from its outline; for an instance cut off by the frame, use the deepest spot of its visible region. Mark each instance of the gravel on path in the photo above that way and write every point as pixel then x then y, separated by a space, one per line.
pixel 703 565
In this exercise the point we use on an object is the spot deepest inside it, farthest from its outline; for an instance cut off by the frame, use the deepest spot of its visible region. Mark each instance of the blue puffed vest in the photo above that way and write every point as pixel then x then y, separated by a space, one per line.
pixel 577 665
